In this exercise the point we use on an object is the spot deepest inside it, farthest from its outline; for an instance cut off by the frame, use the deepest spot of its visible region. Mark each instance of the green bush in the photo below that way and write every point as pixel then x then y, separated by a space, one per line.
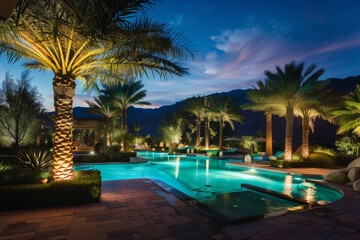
pixel 32 157
pixel 115 148
pixel 122 156
pixel 98 158
pixel 322 160
pixel 20 176
pixel 2 166
pixel 84 188
pixel 93 158
pixel 321 149
pixel 290 164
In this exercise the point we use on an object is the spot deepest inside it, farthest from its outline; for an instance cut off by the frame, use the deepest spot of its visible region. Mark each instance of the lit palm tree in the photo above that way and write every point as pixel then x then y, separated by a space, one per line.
pixel 348 115
pixel 105 40
pixel 290 88
pixel 318 106
pixel 208 117
pixel 195 106
pixel 103 107
pixel 127 94
pixel 225 110
pixel 259 101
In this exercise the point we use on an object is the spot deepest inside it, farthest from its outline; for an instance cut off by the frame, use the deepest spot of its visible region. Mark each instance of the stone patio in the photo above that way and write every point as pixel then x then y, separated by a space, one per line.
pixel 140 209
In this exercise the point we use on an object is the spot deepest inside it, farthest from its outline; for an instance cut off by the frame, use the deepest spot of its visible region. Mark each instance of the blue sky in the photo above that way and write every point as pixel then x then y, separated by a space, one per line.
pixel 236 41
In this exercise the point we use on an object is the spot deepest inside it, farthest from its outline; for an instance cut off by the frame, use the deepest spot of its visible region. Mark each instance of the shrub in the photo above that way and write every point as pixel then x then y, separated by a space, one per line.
pixel 97 147
pixel 85 188
pixel 95 158
pixel 16 177
pixel 290 164
pixel 115 148
pixel 2 166
pixel 105 151
pixel 33 158
pixel 122 156
pixel 321 149
pixel 322 160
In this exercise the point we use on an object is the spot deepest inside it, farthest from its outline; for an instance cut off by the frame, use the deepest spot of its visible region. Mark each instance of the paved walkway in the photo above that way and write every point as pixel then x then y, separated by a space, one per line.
pixel 140 209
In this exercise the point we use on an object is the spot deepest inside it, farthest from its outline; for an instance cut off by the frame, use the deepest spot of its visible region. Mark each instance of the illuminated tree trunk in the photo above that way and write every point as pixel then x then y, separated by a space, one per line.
pixel 207 133
pixel 221 132
pixel 108 138
pixel 305 136
pixel 198 131
pixel 269 147
pixel 288 134
pixel 64 92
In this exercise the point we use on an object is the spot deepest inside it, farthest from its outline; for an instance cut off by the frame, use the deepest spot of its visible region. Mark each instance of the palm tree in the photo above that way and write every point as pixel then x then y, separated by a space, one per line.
pixel 317 105
pixel 102 106
pixel 195 106
pixel 108 39
pixel 259 101
pixel 348 115
pixel 125 95
pixel 208 117
pixel 290 88
pixel 225 110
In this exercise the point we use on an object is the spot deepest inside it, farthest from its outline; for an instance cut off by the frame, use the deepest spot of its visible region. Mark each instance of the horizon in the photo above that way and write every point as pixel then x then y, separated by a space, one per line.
pixel 236 42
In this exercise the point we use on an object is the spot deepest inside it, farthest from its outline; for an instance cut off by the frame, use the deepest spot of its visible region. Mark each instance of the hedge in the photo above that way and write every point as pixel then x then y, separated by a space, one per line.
pixel 290 164
pixel 95 158
pixel 84 188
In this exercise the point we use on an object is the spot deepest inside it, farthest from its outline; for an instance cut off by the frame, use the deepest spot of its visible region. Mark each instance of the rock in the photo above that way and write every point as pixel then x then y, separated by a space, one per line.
pixel 338 176
pixel 354 163
pixel 354 174
pixel 356 185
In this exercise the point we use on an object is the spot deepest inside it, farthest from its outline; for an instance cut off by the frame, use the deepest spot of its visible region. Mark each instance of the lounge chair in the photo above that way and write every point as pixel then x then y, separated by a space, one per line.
pixel 180 150
pixel 231 151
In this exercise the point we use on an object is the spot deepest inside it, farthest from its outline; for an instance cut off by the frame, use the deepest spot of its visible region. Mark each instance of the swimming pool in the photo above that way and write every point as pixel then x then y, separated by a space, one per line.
pixel 218 186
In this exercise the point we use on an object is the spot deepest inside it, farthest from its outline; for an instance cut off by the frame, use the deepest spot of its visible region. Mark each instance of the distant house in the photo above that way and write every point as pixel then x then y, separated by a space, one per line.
pixel 84 127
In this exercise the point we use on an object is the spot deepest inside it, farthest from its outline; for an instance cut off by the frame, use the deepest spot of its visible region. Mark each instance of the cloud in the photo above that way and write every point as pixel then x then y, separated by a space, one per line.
pixel 178 20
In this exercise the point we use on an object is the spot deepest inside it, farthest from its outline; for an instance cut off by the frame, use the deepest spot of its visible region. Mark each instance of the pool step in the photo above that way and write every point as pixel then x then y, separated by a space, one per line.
pixel 278 195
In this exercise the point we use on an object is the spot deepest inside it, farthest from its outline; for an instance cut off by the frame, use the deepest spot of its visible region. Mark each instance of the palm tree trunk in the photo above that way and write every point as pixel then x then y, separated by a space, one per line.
pixel 108 138
pixel 207 134
pixel 221 132
pixel 305 136
pixel 64 92
pixel 289 134
pixel 198 131
pixel 123 118
pixel 269 147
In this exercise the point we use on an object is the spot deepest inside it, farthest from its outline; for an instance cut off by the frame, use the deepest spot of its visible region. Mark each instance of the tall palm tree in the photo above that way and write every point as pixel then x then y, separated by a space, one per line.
pixel 127 94
pixel 290 88
pixel 209 116
pixel 259 101
pixel 348 115
pixel 108 39
pixel 195 106
pixel 103 107
pixel 225 110
pixel 318 106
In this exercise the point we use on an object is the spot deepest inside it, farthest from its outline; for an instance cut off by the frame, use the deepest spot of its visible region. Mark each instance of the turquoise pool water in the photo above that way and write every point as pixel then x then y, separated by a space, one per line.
pixel 216 184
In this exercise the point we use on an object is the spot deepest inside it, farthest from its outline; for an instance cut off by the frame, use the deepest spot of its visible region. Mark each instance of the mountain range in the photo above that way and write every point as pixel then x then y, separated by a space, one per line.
pixel 253 124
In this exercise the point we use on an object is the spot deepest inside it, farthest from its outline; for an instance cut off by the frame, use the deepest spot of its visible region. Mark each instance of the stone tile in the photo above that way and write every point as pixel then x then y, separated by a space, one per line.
pixel 139 209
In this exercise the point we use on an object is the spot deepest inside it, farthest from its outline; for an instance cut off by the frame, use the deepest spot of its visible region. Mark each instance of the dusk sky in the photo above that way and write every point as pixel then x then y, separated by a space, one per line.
pixel 236 41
